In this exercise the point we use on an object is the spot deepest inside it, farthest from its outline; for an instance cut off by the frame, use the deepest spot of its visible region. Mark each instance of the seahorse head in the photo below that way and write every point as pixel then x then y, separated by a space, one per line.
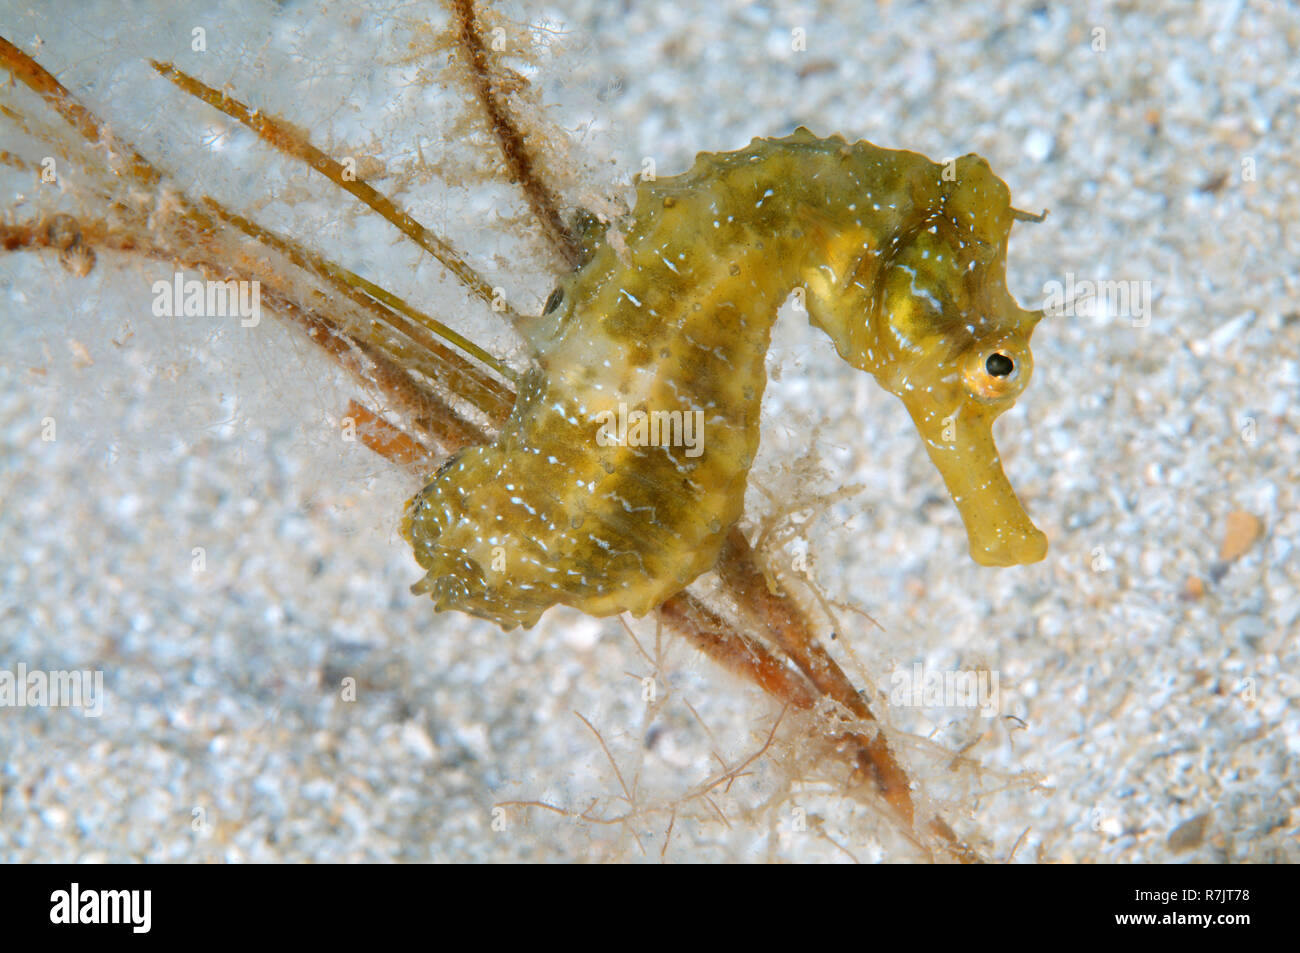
pixel 958 355
pixel 942 333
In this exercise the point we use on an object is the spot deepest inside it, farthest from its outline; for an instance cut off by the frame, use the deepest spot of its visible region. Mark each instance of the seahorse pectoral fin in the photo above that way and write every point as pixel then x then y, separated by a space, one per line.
pixel 962 448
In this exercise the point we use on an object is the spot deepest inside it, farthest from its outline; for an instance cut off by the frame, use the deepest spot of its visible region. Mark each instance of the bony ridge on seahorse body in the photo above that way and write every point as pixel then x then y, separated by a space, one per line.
pixel 903 264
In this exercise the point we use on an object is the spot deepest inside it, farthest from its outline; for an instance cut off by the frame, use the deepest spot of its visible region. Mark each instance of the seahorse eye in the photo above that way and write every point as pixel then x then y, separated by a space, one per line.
pixel 998 373
pixel 999 365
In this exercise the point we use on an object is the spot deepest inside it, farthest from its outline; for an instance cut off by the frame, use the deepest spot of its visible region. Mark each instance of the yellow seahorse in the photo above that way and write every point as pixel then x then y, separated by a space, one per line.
pixel 623 466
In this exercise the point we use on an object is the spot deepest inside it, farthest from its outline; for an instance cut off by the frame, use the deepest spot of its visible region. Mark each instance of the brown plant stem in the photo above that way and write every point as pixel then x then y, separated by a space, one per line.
pixel 510 140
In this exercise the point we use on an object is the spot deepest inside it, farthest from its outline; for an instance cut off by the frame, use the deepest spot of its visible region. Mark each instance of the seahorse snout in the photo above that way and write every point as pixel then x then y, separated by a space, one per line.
pixel 961 446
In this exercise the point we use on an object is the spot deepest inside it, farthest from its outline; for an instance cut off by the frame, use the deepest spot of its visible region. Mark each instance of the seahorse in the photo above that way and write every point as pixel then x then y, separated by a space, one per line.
pixel 900 260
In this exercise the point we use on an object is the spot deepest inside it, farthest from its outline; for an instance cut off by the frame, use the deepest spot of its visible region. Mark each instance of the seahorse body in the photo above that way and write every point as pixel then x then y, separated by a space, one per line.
pixel 903 264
